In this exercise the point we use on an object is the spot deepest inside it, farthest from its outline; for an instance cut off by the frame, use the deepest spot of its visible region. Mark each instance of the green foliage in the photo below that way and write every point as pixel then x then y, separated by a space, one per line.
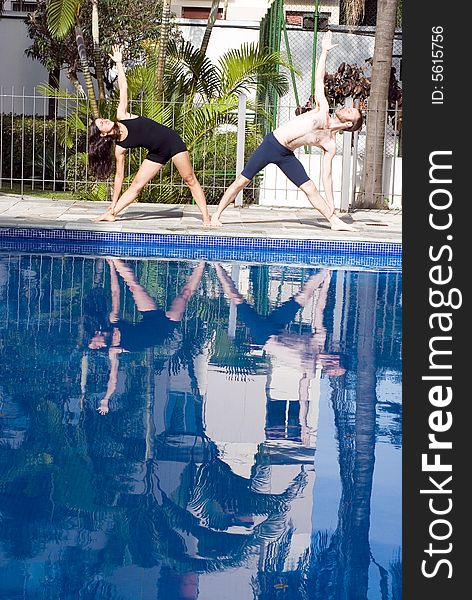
pixel 29 148
pixel 61 16
pixel 132 22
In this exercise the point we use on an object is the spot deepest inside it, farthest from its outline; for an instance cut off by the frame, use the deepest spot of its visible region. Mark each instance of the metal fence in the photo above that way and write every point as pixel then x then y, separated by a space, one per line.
pixel 43 146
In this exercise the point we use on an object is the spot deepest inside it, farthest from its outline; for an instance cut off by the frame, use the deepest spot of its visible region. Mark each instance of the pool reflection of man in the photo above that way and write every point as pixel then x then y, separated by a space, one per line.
pixel 156 326
pixel 289 353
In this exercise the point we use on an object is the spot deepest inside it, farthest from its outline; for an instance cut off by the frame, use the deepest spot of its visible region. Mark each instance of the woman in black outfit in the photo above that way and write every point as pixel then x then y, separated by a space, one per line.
pixel 155 327
pixel 132 131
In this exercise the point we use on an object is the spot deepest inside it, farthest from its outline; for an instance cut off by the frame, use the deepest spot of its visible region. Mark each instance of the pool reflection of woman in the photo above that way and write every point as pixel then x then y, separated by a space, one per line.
pixel 155 327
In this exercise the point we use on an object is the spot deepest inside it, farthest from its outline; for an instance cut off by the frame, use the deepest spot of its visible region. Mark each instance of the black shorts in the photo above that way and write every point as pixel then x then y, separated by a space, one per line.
pixel 272 151
pixel 174 145
pixel 153 329
pixel 262 328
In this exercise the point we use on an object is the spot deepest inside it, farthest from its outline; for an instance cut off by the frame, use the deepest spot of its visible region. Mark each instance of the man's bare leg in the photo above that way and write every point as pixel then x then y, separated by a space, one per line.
pixel 229 196
pixel 146 172
pixel 228 285
pixel 318 202
pixel 184 167
pixel 312 284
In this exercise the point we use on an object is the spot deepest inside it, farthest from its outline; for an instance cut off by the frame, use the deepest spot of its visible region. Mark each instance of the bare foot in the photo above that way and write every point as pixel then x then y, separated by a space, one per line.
pixel 106 216
pixel 215 222
pixel 338 225
pixel 207 222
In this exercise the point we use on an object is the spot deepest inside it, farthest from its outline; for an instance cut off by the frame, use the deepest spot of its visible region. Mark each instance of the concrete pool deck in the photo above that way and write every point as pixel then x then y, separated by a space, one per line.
pixel 253 221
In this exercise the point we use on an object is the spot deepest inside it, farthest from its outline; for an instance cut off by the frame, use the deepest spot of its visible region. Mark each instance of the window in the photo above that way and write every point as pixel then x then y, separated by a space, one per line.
pixel 195 12
pixel 20 6
pixel 308 21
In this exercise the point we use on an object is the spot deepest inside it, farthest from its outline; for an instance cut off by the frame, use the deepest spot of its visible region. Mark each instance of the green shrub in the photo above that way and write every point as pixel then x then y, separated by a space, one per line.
pixel 31 148
pixel 37 140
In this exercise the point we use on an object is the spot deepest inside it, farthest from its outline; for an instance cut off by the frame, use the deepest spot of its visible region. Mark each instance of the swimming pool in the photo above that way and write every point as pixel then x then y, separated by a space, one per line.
pixel 194 429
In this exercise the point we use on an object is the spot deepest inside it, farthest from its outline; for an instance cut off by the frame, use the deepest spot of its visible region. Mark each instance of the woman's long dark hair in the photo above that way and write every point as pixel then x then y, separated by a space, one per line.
pixel 100 155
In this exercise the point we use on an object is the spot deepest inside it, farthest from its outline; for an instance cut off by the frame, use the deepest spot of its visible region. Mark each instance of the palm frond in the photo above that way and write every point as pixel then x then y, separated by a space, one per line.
pixel 191 72
pixel 353 11
pixel 240 68
pixel 94 191
pixel 49 91
pixel 202 120
pixel 70 128
pixel 61 16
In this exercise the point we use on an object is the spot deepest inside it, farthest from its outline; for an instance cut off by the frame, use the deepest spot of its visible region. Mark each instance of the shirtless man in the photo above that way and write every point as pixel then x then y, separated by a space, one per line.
pixel 312 128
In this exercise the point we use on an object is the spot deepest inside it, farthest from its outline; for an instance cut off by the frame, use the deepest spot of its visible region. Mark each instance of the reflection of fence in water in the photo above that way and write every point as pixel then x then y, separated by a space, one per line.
pixel 49 292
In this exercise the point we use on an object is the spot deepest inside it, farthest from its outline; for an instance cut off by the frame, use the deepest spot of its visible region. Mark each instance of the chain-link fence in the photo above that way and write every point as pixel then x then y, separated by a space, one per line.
pixel 295 29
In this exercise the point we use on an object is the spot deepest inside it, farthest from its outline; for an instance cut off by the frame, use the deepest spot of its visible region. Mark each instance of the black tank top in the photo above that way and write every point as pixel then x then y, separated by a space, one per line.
pixel 146 133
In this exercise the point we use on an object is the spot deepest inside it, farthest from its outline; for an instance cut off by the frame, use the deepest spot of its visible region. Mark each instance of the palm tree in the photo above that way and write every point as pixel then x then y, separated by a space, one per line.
pixel 96 51
pixel 62 15
pixel 371 193
pixel 215 5
pixel 164 39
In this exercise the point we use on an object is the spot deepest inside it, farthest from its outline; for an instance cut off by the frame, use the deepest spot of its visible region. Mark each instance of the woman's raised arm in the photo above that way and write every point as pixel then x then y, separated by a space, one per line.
pixel 117 57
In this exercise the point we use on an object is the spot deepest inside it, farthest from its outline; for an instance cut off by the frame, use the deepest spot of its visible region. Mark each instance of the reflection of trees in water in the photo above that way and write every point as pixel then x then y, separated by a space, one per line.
pixel 336 566
pixel 74 479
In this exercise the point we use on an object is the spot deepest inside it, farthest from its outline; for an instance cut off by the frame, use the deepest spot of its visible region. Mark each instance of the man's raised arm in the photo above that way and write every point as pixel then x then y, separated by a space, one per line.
pixel 326 46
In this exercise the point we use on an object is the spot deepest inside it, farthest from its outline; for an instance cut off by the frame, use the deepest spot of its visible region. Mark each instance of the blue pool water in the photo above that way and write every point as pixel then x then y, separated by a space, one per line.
pixel 247 442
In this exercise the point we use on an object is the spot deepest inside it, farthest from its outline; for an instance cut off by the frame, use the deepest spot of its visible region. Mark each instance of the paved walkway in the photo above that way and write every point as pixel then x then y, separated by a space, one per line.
pixel 253 221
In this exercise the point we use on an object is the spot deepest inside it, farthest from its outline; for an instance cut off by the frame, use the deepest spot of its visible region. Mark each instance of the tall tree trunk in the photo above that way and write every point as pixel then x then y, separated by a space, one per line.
pixel 79 38
pixel 53 82
pixel 225 9
pixel 370 195
pixel 72 77
pixel 206 36
pixel 161 61
pixel 96 51
pixel 215 5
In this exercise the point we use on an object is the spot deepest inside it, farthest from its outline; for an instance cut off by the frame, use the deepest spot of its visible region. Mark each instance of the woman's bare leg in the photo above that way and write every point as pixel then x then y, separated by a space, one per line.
pixel 146 172
pixel 318 202
pixel 229 196
pixel 140 295
pixel 177 309
pixel 228 285
pixel 184 167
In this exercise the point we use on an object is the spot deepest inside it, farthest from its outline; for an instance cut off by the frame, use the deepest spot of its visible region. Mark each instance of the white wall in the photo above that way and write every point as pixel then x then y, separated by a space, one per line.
pixel 17 69
pixel 277 190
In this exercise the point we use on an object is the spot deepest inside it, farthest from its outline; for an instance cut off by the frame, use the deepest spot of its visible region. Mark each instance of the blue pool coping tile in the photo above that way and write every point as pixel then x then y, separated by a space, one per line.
pixel 353 253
